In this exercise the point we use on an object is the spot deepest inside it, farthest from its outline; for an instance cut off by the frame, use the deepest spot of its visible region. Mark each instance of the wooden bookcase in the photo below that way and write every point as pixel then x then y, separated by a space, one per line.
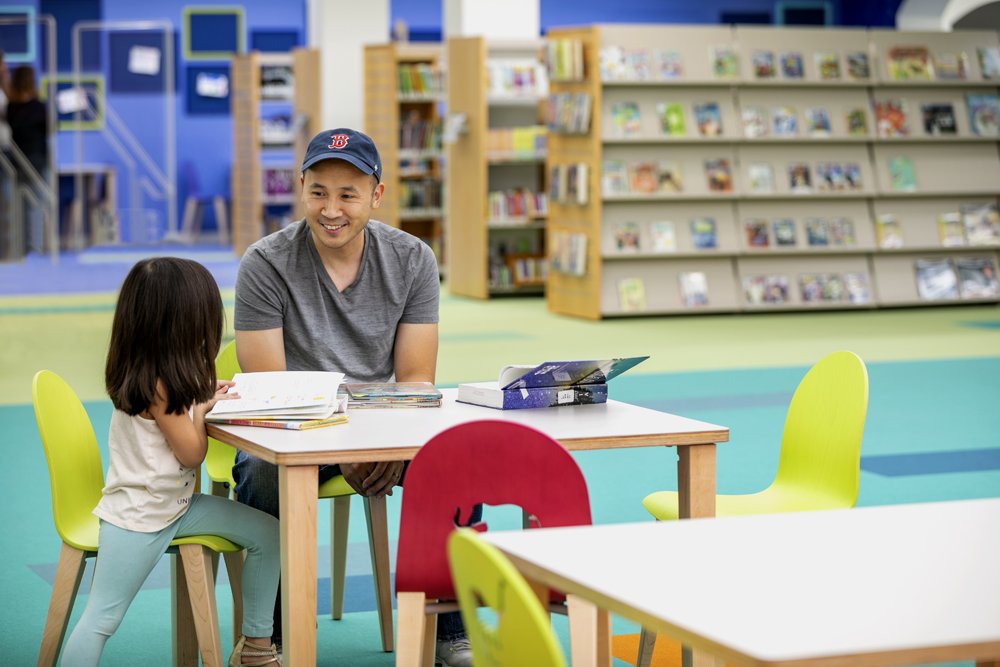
pixel 488 256
pixel 403 95
pixel 256 111
pixel 952 171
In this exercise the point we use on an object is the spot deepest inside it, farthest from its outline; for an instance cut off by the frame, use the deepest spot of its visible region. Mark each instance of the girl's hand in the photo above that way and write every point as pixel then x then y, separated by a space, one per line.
pixel 222 393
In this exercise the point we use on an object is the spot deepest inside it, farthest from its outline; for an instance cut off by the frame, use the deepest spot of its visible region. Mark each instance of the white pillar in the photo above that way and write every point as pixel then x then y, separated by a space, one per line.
pixel 340 29
pixel 920 15
pixel 493 19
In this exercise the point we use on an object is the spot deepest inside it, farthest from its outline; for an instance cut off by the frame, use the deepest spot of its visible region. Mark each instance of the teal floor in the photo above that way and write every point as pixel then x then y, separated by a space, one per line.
pixel 933 429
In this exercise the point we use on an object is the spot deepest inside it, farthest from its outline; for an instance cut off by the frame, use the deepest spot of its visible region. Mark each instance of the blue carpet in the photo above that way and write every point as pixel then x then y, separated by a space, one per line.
pixel 932 463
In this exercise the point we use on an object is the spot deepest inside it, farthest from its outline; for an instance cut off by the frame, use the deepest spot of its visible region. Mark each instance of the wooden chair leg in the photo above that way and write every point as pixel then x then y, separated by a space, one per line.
pixel 183 634
pixel 411 622
pixel 378 543
pixel 69 571
pixel 197 571
pixel 221 219
pixel 430 639
pixel 647 642
pixel 340 518
pixel 234 566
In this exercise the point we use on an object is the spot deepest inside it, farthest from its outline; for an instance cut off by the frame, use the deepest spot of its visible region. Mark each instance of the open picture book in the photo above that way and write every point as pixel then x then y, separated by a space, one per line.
pixel 283 399
pixel 549 384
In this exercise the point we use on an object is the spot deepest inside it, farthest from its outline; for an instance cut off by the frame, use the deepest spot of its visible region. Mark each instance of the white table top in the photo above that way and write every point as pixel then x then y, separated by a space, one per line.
pixel 396 434
pixel 879 585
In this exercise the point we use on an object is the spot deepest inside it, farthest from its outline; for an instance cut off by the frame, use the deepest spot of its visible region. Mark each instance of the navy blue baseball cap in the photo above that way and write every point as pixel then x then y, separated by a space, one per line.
pixel 345 144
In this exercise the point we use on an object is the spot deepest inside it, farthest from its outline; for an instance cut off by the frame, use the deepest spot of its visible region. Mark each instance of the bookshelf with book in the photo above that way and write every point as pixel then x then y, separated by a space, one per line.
pixel 784 139
pixel 497 216
pixel 275 109
pixel 404 95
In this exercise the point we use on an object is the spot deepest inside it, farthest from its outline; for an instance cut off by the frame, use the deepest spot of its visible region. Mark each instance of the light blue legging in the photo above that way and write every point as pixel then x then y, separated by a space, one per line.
pixel 126 558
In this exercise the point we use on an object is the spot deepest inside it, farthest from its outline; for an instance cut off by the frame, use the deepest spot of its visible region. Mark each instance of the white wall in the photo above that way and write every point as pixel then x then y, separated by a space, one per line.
pixel 936 14
pixel 340 30
pixel 494 19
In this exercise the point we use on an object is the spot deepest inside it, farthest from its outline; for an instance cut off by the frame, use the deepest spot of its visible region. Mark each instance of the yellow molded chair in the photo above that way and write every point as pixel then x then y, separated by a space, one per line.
pixel 77 480
pixel 219 466
pixel 521 634
pixel 820 460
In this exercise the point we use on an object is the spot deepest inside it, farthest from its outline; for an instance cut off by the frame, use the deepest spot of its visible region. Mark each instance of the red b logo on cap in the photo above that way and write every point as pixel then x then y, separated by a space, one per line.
pixel 339 141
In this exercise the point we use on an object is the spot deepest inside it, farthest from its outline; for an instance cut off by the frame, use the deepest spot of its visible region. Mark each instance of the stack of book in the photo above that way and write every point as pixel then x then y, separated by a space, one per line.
pixel 362 395
pixel 295 400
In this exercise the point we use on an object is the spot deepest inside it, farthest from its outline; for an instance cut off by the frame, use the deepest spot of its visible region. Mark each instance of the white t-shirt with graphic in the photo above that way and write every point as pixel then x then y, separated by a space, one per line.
pixel 147 488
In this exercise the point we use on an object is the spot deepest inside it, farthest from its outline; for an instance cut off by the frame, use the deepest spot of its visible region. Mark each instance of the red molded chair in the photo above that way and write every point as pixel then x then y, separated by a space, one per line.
pixel 490 462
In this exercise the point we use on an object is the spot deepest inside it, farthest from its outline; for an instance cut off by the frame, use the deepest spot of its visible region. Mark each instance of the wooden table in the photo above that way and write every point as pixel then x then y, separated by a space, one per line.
pixel 397 434
pixel 892 585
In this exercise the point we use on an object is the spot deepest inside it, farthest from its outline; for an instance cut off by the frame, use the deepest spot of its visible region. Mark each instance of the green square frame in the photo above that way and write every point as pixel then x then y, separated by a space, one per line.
pixel 220 10
pixel 98 80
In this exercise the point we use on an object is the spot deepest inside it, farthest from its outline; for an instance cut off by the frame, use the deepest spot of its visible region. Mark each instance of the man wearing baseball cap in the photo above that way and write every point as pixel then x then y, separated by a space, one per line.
pixel 338 291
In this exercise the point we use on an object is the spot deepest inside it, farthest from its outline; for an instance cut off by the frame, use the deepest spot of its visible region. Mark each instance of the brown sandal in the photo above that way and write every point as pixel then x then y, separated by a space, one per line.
pixel 264 655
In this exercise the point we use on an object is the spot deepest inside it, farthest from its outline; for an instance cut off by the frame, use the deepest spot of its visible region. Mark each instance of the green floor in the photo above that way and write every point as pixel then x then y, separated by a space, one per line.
pixel 933 421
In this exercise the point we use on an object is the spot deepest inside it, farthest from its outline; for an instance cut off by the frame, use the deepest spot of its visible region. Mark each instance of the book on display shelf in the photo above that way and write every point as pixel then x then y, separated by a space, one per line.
pixel 982 224
pixel 669 64
pixel 817 122
pixel 784 232
pixel 939 119
pixel 694 288
pixel 936 279
pixel 984 113
pixel 669 177
pixel 890 118
pixel 817 232
pixel 757 234
pixel 840 232
pixel 719 175
pixel 547 385
pixel 703 233
pixel 625 120
pixel 763 64
pixel 902 176
pixel 771 289
pixel 799 178
pixel 951 66
pixel 791 65
pixel 754 122
pixel 910 63
pixel 828 65
pixel 708 118
pixel 281 395
pixel 627 237
pixel 858 67
pixel 725 64
pixel 673 122
pixel 662 236
pixel 821 287
pixel 643 177
pixel 977 277
pixel 614 178
pixel 631 295
pixel 989 61
pixel 951 229
pixel 761 177
pixel 856 286
pixel 784 122
pixel 888 231
pixel 857 123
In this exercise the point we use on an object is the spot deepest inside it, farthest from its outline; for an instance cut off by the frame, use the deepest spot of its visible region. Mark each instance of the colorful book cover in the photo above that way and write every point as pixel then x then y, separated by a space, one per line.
pixel 763 64
pixel 703 234
pixel 982 224
pixel 852 176
pixel 709 119
pixel 811 287
pixel 791 65
pixel 670 179
pixel 984 113
pixel 627 237
pixel 760 175
pixel 489 395
pixel 754 122
pixel 643 177
pixel 784 232
pixel 817 122
pixel 662 236
pixel 725 64
pixel 989 61
pixel 951 66
pixel 799 177
pixel 857 123
pixel 611 62
pixel 757 235
pixel 631 295
pixel 719 175
pixel 902 177
pixel 669 64
pixel 858 66
pixel 694 288
pixel 672 120
pixel 828 65
pixel 888 231
pixel 856 287
pixel 614 178
pixel 637 64
pixel 890 118
pixel 784 122
pixel 288 424
pixel 565 373
pixel 765 289
pixel 841 232
pixel 939 118
pixel 951 229
pixel 910 63
pixel 830 177
pixel 625 120
pixel 817 232
pixel 936 279
pixel 977 277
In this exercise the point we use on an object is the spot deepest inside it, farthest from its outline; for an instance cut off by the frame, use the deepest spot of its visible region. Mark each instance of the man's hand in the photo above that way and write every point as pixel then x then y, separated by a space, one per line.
pixel 373 479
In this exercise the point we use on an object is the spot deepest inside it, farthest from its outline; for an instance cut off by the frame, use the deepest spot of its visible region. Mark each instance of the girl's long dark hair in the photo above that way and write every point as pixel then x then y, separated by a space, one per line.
pixel 167 327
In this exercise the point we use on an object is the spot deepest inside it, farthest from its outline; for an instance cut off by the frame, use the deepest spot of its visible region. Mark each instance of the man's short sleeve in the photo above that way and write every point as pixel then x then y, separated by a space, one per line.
pixel 422 302
pixel 261 294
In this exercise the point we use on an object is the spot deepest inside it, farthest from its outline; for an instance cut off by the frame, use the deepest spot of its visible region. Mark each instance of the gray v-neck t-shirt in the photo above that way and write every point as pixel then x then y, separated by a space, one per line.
pixel 282 283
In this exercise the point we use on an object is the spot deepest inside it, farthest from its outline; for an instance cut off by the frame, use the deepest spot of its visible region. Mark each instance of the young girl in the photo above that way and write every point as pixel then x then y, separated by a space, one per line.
pixel 160 375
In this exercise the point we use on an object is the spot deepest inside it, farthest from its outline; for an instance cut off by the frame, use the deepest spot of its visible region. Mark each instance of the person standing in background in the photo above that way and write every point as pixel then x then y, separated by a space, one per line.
pixel 29 129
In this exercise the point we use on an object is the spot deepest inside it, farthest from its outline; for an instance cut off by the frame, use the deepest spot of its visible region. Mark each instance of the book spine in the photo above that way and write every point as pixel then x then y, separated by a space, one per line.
pixel 266 423
pixel 550 397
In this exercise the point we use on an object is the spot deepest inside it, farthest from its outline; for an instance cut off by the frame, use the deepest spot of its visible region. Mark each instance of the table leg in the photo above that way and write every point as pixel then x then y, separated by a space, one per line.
pixel 184 638
pixel 589 633
pixel 297 497
pixel 696 490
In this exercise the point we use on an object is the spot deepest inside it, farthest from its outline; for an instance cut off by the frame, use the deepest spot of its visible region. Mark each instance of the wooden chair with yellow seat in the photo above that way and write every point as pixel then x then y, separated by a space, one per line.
pixel 77 480
pixel 819 465
pixel 219 467
pixel 522 634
